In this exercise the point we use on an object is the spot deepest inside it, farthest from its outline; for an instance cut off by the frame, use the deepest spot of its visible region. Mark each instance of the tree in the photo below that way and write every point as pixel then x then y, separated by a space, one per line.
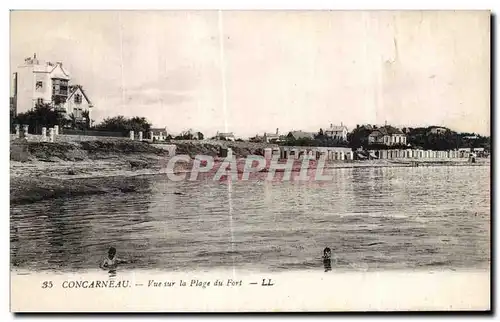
pixel 423 138
pixel 72 121
pixel 290 140
pixel 200 136
pixel 87 121
pixel 42 115
pixel 124 125
pixel 359 136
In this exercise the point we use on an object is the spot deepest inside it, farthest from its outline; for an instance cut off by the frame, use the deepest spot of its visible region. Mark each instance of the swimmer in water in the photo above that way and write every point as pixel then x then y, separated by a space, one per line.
pixel 327 261
pixel 111 261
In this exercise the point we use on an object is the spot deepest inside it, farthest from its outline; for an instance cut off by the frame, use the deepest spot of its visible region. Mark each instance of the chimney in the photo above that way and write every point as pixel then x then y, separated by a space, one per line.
pixel 341 124
pixel 331 125
pixel 34 55
pixel 277 131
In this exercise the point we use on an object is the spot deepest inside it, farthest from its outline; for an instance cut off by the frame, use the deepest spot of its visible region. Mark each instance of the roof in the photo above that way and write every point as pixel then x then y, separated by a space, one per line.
pixel 302 135
pixel 74 88
pixel 436 129
pixel 387 130
pixel 225 134
pixel 271 135
pixel 336 128
pixel 376 133
pixel 51 68
pixel 158 129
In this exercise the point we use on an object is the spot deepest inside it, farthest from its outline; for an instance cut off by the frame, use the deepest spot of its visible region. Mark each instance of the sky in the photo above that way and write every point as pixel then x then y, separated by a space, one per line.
pixel 251 72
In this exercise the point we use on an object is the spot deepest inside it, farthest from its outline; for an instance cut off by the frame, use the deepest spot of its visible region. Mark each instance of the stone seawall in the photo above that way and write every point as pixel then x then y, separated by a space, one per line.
pixel 67 138
pixel 226 144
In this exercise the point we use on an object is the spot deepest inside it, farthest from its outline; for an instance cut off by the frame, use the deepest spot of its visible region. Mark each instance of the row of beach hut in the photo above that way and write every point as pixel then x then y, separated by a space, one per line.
pixel 347 154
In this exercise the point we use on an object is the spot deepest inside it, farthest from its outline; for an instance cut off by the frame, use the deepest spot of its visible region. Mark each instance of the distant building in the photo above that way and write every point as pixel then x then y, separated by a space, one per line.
pixel 387 135
pixel 39 82
pixel 225 136
pixel 437 130
pixel 337 132
pixel 191 135
pixel 158 134
pixel 301 135
pixel 272 137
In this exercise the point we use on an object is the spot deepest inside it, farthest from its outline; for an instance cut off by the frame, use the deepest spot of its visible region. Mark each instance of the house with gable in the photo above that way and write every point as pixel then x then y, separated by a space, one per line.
pixel 387 135
pixel 337 132
pixel 77 103
pixel 271 137
pixel 229 136
pixel 42 82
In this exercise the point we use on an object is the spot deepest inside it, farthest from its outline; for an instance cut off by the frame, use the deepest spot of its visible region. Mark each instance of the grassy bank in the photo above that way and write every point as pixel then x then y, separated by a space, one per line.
pixel 24 151
pixel 213 147
pixel 42 170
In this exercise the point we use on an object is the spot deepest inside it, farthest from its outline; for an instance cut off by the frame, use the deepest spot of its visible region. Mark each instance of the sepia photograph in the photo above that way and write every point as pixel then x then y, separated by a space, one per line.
pixel 250 161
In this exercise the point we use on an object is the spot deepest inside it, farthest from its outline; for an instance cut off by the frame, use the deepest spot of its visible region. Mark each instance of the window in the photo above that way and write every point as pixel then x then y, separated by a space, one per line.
pixel 59 87
pixel 39 101
pixel 78 99
pixel 63 90
pixel 39 85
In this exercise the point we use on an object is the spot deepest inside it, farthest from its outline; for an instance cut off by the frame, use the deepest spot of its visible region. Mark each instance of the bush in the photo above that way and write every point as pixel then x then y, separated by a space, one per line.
pixel 124 125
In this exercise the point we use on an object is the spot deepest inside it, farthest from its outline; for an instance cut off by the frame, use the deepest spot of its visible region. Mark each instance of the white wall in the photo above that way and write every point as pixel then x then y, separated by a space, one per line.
pixel 77 108
pixel 27 77
pixel 44 92
pixel 25 81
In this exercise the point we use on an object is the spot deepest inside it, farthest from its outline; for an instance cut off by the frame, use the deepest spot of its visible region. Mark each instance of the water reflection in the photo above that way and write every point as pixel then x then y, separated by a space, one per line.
pixel 327 259
pixel 373 218
pixel 72 233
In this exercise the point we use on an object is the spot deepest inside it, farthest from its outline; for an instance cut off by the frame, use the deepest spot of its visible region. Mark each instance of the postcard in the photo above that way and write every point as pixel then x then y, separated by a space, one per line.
pixel 250 161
